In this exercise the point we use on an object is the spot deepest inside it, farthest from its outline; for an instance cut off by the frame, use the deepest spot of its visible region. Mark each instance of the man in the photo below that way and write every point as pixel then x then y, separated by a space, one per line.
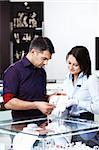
pixel 24 86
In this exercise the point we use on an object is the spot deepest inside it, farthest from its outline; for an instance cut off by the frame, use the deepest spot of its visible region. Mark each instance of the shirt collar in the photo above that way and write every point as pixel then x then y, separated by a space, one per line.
pixel 69 75
pixel 26 62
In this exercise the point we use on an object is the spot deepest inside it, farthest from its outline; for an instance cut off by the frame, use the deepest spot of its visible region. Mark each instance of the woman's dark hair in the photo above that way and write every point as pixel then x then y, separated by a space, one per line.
pixel 42 44
pixel 83 58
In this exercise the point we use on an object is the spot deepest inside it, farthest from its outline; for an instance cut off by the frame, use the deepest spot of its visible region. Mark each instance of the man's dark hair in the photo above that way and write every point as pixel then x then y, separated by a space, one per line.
pixel 42 43
pixel 83 58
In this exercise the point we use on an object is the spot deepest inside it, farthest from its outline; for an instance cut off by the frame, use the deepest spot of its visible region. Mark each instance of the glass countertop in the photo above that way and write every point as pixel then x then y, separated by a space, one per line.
pixel 47 128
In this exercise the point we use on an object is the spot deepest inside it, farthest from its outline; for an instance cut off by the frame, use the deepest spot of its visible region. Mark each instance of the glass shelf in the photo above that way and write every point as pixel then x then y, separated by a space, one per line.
pixel 44 134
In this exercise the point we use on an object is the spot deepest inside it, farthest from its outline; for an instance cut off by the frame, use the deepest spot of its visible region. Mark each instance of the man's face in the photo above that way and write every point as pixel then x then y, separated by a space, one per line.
pixel 41 58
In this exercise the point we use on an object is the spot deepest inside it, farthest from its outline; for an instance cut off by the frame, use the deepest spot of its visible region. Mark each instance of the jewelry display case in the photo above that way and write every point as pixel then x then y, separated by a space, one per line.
pixel 26 22
pixel 51 134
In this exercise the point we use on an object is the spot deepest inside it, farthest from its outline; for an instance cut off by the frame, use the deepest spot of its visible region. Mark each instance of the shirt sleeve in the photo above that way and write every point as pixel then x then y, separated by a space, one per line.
pixel 93 87
pixel 10 81
pixel 7 97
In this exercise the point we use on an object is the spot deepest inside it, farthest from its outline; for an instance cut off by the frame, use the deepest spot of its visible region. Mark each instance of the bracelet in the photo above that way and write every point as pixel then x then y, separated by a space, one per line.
pixel 2 107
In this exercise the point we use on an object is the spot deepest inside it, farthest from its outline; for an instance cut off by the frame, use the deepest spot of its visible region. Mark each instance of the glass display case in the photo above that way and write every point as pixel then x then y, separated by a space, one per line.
pixel 51 134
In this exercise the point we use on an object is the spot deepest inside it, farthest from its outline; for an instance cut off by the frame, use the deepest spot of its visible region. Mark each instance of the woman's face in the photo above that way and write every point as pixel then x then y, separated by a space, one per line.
pixel 73 65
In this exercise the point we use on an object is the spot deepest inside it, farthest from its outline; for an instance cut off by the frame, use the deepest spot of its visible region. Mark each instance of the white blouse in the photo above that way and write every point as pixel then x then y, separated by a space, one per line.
pixel 86 90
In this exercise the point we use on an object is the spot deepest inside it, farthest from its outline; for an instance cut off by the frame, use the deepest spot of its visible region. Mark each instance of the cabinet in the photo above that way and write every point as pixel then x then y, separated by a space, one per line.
pixel 15 39
pixel 4 36
pixel 53 134
pixel 26 22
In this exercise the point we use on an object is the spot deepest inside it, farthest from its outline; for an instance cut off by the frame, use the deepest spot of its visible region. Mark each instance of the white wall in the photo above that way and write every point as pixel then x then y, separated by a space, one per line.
pixel 69 23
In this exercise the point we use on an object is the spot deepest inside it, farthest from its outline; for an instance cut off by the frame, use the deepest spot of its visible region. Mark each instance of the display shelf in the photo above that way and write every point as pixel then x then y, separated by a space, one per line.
pixel 58 133
pixel 26 21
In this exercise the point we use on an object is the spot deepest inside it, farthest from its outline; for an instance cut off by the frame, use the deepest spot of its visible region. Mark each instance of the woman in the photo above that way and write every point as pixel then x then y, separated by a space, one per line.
pixel 81 87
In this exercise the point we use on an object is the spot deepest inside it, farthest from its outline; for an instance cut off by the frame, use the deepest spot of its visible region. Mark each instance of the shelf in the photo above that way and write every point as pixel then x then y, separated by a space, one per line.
pixel 25 24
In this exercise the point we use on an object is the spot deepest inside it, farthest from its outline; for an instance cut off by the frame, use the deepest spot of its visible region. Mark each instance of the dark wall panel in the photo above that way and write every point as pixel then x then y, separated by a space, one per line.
pixel 4 36
pixel 97 53
pixel 8 12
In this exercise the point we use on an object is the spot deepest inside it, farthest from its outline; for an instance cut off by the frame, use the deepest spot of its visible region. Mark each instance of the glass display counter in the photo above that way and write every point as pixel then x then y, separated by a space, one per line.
pixel 54 134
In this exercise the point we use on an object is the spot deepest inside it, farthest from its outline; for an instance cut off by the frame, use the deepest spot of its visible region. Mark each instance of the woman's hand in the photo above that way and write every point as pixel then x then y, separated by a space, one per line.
pixel 56 94
pixel 70 102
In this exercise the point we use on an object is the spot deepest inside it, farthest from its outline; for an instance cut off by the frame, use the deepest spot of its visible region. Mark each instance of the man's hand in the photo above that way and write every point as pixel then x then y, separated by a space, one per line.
pixel 45 108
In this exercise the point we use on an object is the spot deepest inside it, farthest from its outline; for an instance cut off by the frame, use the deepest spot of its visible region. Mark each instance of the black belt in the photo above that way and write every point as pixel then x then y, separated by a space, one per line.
pixel 84 115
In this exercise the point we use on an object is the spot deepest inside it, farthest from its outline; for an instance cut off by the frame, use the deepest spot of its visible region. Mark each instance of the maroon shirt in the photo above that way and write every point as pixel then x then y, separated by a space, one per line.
pixel 26 82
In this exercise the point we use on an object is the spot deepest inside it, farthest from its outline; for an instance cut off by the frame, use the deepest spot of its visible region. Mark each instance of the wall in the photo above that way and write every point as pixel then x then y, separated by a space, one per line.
pixel 69 23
